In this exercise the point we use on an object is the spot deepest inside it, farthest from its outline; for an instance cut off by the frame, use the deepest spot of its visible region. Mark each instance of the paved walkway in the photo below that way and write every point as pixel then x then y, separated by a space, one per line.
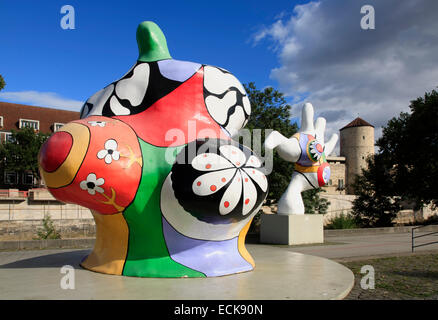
pixel 366 245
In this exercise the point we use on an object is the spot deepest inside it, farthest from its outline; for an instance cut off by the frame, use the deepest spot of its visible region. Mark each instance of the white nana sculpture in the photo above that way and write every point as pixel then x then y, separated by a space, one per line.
pixel 307 150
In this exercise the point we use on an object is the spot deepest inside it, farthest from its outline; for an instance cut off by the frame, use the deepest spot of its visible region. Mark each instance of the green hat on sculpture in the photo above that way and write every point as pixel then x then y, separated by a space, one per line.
pixel 152 44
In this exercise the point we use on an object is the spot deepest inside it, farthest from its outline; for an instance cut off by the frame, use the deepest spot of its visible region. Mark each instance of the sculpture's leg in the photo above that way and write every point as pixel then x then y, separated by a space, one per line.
pixel 241 245
pixel 291 201
pixel 110 249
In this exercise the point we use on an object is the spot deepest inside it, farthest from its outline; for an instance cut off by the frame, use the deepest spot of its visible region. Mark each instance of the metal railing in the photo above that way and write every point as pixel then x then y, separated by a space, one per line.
pixel 413 237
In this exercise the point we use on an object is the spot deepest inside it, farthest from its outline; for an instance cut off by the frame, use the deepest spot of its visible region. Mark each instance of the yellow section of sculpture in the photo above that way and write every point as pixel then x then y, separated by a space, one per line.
pixel 65 174
pixel 241 244
pixel 304 169
pixel 111 245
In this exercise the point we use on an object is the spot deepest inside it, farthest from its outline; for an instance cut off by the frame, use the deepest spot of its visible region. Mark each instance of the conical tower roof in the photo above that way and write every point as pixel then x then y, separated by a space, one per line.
pixel 358 122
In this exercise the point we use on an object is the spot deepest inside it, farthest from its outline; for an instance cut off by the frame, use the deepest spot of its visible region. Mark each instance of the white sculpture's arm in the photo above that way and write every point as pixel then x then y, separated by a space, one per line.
pixel 288 148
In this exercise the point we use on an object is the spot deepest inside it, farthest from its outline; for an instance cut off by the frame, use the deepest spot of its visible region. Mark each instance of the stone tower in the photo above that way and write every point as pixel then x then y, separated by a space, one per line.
pixel 357 142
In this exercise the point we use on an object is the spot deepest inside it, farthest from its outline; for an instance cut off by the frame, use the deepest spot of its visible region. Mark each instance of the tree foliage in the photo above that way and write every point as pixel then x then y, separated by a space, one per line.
pixel 48 231
pixel 409 145
pixel 376 205
pixel 2 82
pixel 269 110
pixel 405 167
pixel 313 203
pixel 21 153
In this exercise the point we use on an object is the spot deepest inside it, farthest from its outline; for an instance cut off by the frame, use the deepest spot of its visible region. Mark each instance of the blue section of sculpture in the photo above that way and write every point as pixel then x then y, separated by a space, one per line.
pixel 213 258
pixel 178 70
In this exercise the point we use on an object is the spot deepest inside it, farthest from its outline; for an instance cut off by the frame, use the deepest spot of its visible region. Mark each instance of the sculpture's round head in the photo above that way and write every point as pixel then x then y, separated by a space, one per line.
pixel 95 162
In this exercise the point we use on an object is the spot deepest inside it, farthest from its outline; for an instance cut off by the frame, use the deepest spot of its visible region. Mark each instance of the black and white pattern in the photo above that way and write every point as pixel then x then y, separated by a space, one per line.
pixel 219 182
pixel 226 99
pixel 136 91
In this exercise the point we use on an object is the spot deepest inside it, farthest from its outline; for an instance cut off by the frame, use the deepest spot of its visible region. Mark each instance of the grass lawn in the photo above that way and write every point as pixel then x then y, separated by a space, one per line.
pixel 401 277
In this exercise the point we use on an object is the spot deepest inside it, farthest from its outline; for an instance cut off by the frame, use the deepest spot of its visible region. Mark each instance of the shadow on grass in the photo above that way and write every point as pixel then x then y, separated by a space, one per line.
pixel 55 260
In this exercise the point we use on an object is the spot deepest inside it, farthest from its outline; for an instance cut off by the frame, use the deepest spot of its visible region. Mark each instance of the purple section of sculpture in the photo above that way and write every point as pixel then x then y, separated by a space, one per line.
pixel 178 70
pixel 304 158
pixel 213 258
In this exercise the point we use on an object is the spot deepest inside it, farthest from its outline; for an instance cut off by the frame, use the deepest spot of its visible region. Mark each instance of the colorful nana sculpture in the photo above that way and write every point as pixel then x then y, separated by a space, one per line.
pixel 152 158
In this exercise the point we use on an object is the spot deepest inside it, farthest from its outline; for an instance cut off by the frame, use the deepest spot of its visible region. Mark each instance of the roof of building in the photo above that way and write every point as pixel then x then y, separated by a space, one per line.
pixel 358 122
pixel 12 112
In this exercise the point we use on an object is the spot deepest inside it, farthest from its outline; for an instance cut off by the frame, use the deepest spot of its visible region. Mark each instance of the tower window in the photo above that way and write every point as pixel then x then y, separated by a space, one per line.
pixel 363 137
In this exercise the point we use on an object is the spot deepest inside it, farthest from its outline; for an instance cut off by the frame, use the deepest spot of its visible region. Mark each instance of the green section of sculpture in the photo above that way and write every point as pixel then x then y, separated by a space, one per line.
pixel 147 251
pixel 152 44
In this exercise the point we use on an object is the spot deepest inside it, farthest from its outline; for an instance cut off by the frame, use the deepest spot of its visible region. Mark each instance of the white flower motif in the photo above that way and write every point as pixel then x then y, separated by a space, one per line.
pixel 110 152
pixel 233 166
pixel 316 150
pixel 91 184
pixel 97 123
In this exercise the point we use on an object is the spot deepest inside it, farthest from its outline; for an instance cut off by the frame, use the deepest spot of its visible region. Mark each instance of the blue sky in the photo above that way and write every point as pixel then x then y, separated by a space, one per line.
pixel 38 55
pixel 314 51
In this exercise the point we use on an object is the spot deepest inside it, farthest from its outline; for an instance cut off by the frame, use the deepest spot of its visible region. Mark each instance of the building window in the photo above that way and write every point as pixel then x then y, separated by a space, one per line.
pixel 1 121
pixel 330 182
pixel 28 178
pixel 363 137
pixel 57 126
pixel 8 137
pixel 26 123
pixel 10 178
pixel 340 184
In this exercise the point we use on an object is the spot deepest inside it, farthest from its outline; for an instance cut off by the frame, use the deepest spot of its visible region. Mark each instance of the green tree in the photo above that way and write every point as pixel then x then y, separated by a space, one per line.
pixel 20 154
pixel 405 166
pixel 313 203
pixel 376 204
pixel 269 110
pixel 2 82
pixel 409 145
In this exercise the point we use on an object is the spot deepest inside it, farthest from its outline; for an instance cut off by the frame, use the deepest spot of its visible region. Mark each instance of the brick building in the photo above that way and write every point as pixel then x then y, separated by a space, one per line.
pixel 16 116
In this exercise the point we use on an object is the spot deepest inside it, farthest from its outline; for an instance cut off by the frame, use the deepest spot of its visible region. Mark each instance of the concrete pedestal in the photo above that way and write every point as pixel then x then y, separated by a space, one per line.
pixel 292 229
pixel 279 275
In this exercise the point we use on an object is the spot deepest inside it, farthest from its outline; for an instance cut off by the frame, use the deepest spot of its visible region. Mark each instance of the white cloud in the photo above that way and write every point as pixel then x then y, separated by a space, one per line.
pixel 42 99
pixel 345 71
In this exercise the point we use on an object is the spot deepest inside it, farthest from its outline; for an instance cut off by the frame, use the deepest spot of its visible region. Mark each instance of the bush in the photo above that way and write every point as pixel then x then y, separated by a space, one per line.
pixel 48 231
pixel 430 220
pixel 343 221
